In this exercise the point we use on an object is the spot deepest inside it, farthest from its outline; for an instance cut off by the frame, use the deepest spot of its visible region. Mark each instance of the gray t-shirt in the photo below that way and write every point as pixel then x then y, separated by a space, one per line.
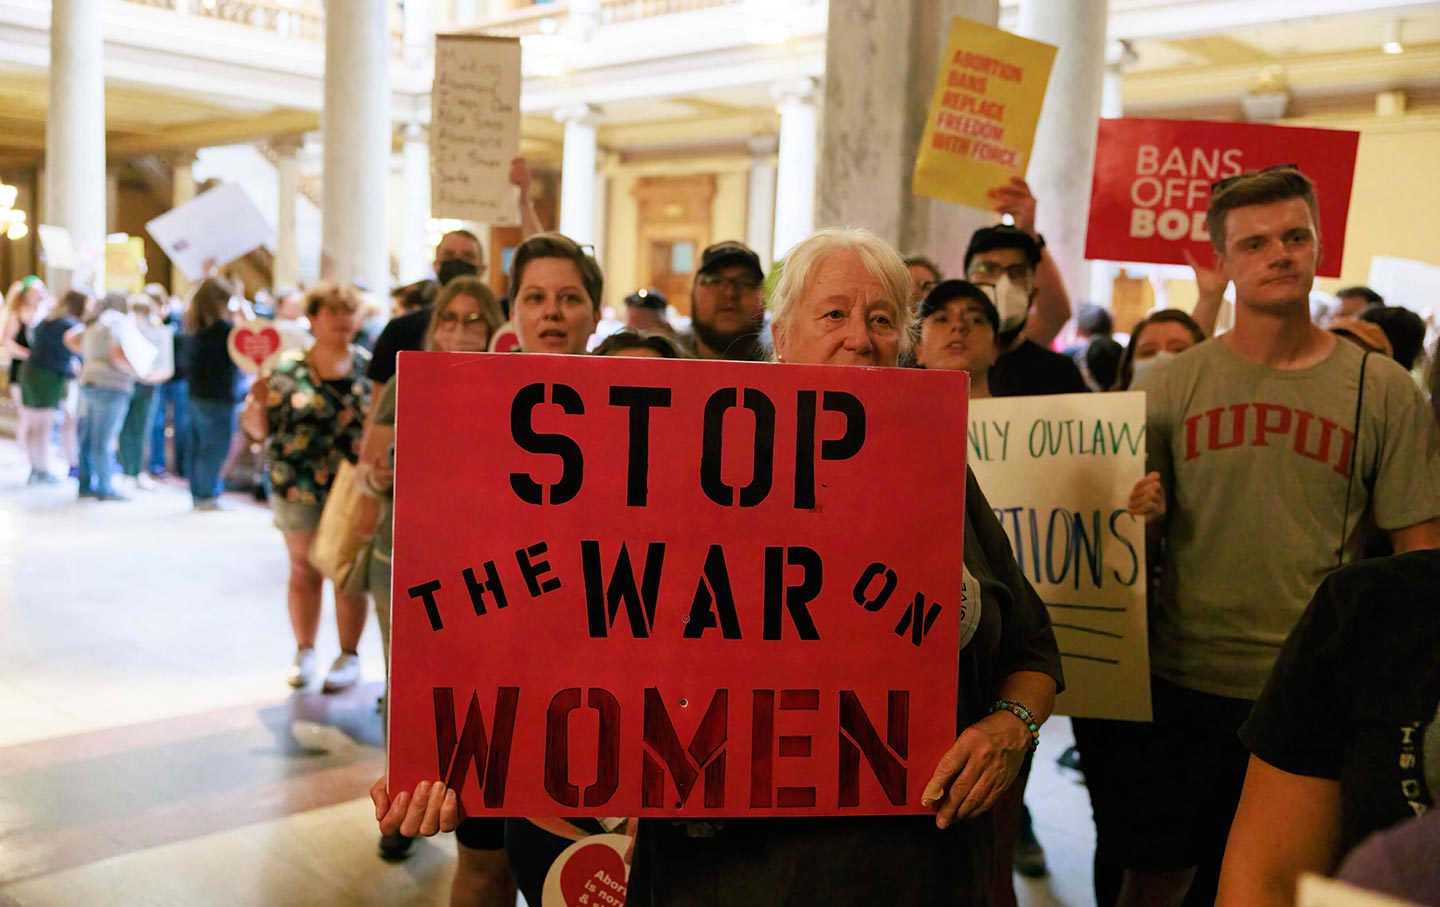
pixel 98 370
pixel 1256 462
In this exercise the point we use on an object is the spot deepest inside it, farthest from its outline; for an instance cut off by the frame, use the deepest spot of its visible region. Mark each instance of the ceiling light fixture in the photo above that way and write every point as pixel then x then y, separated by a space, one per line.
pixel 12 219
pixel 1392 43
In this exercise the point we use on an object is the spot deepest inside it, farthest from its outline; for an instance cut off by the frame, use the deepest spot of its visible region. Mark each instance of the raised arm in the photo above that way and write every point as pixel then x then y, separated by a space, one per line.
pixel 520 178
pixel 1051 306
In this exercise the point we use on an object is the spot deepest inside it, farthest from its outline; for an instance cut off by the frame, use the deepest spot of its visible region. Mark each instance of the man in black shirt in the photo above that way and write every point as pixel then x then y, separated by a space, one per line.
pixel 1005 258
pixel 459 253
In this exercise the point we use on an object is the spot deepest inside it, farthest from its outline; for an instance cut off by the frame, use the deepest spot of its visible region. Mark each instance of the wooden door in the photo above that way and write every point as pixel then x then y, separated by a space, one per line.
pixel 675 215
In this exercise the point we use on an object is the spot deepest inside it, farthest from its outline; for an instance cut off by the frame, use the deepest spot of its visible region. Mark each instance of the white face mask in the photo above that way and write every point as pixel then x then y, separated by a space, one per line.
pixel 1142 366
pixel 1012 303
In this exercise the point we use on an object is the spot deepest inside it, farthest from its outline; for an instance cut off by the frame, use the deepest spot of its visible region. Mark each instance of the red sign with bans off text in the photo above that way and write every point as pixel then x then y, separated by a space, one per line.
pixel 1153 177
pixel 638 587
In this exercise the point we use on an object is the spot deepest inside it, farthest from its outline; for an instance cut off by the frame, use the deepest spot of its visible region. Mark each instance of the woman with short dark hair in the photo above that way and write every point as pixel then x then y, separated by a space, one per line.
pixel 310 411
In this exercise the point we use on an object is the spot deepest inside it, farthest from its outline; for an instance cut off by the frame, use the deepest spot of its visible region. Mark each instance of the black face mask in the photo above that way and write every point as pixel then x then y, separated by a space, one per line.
pixel 452 268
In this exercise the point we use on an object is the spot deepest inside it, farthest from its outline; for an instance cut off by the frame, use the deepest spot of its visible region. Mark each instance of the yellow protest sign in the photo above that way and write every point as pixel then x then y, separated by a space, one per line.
pixel 982 118
pixel 125 264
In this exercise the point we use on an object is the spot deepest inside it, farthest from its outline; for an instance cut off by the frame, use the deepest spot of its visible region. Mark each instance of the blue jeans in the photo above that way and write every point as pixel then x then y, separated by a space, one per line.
pixel 136 429
pixel 212 425
pixel 174 394
pixel 104 412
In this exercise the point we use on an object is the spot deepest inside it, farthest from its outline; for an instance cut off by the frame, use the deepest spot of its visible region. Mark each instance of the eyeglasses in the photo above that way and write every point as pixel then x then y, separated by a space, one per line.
pixel 925 286
pixel 1227 182
pixel 465 321
pixel 1016 272
pixel 738 284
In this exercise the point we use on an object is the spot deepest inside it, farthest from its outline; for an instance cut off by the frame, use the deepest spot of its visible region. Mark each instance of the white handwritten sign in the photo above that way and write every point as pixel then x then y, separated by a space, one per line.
pixel 1317 891
pixel 1059 471
pixel 475 128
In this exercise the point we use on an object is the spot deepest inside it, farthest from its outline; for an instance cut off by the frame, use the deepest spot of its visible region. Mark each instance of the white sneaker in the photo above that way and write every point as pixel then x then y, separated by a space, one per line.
pixel 343 674
pixel 302 671
pixel 144 483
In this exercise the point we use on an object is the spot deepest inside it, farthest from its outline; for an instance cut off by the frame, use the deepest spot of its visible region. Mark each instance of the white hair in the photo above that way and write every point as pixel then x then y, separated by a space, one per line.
pixel 878 256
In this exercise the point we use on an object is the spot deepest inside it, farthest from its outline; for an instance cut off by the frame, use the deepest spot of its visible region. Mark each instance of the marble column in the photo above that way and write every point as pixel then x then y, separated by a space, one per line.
pixel 182 190
pixel 75 190
pixel 356 127
pixel 760 206
pixel 577 174
pixel 418 28
pixel 467 11
pixel 1118 55
pixel 874 117
pixel 415 252
pixel 795 175
pixel 584 18
pixel 1064 156
pixel 286 272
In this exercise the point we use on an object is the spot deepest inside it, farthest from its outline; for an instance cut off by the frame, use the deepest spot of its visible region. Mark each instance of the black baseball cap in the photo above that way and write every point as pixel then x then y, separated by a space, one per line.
pixel 647 299
pixel 947 291
pixel 730 252
pixel 1002 236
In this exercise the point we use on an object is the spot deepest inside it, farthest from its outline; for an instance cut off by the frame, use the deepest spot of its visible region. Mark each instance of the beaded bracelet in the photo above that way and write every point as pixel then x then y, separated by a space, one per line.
pixel 1019 711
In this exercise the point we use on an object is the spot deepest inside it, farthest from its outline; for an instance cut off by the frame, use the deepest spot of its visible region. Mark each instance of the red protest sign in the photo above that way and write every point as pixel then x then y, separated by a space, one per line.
pixel 1152 183
pixel 637 587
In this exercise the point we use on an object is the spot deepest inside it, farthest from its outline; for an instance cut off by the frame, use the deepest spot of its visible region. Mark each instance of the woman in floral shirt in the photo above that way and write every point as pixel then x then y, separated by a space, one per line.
pixel 314 405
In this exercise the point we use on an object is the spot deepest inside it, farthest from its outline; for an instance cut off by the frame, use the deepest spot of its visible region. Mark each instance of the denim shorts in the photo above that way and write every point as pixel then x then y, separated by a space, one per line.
pixel 293 517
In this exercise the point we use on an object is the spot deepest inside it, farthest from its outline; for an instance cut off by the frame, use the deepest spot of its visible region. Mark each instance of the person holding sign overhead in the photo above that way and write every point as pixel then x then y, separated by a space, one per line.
pixel 556 289
pixel 1050 303
pixel 1010 260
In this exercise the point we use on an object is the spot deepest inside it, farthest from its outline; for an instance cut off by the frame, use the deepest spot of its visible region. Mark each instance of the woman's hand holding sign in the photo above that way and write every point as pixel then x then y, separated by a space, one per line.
pixel 1147 498
pixel 430 810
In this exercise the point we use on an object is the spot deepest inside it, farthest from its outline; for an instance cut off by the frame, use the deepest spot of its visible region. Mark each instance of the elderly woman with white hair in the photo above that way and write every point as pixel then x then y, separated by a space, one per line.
pixel 842 299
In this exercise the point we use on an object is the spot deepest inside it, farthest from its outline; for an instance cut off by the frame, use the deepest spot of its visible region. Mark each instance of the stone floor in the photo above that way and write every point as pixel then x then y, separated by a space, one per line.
pixel 150 752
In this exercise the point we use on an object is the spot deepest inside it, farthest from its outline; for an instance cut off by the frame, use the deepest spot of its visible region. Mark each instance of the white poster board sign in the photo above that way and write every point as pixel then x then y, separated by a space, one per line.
pixel 1058 471
pixel 58 247
pixel 475 128
pixel 1317 891
pixel 221 224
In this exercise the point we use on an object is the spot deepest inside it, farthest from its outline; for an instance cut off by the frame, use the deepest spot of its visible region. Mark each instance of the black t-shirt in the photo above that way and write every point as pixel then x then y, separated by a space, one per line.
pixel 404 333
pixel 1354 693
pixel 845 860
pixel 1030 370
pixel 213 376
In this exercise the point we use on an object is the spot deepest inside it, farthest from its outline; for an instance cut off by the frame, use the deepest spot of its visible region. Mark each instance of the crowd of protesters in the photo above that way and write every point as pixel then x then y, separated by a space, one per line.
pixel 1287 665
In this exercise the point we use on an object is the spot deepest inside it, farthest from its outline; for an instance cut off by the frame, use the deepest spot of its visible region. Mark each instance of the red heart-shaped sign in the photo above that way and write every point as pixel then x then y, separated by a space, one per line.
pixel 255 344
pixel 594 876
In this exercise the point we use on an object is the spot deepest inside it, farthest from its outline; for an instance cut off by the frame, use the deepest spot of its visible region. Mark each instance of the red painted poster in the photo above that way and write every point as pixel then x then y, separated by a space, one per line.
pixel 1153 177
pixel 635 587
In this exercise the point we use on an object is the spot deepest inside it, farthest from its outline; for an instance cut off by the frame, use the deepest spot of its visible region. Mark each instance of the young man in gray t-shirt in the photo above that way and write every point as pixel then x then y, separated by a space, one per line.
pixel 1278 463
